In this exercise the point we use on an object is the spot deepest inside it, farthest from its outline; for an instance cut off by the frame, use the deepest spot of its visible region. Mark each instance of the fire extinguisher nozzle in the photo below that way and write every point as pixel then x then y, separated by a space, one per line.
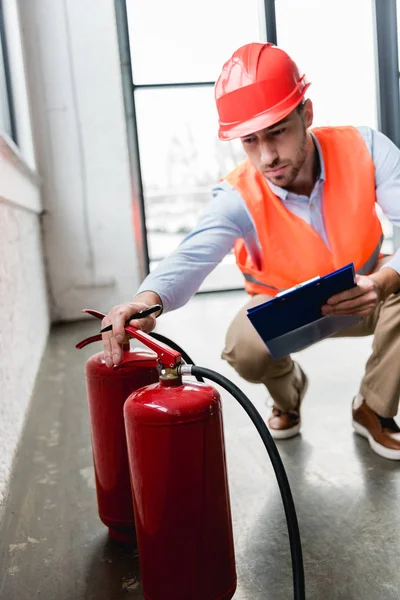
pixel 185 369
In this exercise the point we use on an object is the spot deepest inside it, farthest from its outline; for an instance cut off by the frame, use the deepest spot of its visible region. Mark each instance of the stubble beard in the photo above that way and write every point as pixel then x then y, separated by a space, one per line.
pixel 286 181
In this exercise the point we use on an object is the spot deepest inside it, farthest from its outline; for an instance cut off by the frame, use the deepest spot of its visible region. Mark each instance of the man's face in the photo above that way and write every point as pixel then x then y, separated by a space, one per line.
pixel 280 151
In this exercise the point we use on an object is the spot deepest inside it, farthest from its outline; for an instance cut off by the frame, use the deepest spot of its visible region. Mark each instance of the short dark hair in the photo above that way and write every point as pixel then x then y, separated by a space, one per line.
pixel 300 106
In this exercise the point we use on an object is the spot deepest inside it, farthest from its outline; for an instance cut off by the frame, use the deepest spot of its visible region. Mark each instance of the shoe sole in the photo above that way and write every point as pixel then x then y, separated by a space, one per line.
pixel 286 434
pixel 388 453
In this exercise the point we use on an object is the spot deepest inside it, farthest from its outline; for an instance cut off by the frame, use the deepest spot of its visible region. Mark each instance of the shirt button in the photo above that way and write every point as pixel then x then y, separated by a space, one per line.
pixel 312 206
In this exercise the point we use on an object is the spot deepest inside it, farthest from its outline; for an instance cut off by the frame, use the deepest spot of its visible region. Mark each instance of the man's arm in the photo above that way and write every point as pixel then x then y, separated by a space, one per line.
pixel 374 288
pixel 180 275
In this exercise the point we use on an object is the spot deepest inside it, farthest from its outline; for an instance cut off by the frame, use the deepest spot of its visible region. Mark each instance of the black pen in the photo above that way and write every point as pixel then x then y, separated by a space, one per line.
pixel 139 315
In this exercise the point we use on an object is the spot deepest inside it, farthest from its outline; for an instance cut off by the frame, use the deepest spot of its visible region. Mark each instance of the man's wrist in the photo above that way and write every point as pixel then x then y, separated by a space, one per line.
pixel 388 280
pixel 149 297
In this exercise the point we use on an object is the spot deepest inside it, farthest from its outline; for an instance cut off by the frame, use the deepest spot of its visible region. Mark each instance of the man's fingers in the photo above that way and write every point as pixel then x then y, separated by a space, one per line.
pixel 150 323
pixel 137 323
pixel 354 292
pixel 363 305
pixel 117 317
pixel 116 351
pixel 364 286
pixel 347 295
pixel 106 337
pixel 369 299
pixel 363 311
pixel 147 324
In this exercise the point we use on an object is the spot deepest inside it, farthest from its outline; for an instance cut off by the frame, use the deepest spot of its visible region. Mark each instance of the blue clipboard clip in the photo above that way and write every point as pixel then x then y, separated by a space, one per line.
pixel 293 319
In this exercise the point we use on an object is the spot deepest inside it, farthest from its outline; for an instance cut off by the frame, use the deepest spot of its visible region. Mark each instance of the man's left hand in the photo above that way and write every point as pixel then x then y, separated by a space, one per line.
pixel 365 296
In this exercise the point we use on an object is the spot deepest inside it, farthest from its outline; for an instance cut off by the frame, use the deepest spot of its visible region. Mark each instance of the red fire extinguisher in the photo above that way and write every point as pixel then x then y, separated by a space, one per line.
pixel 180 488
pixel 107 390
pixel 176 452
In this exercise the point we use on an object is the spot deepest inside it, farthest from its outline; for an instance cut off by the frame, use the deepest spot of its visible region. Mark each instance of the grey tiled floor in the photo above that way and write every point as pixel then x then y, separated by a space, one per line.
pixel 53 546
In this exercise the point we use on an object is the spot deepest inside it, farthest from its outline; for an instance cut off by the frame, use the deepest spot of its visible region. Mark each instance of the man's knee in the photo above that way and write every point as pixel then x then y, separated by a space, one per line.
pixel 251 363
pixel 244 349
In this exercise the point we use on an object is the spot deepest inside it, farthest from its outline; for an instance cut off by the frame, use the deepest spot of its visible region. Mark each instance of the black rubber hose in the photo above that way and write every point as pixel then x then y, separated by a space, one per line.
pixel 174 346
pixel 290 511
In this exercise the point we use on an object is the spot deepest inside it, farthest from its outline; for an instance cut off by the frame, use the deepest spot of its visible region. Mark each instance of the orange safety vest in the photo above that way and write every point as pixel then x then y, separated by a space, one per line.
pixel 292 251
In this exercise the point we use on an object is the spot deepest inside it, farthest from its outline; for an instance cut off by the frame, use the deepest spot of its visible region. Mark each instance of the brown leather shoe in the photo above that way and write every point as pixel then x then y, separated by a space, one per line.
pixel 284 425
pixel 382 434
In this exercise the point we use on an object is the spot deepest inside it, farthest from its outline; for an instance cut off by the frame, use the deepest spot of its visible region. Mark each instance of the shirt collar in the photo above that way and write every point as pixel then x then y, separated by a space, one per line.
pixel 284 194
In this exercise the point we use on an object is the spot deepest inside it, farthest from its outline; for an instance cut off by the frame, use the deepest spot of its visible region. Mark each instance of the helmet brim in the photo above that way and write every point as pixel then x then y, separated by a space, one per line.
pixel 261 121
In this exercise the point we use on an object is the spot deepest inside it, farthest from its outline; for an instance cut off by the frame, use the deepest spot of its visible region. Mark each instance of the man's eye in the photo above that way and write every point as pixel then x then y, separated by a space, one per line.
pixel 248 141
pixel 278 131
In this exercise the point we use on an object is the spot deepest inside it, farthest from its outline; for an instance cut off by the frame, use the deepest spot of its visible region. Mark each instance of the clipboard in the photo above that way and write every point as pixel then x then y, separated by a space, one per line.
pixel 293 319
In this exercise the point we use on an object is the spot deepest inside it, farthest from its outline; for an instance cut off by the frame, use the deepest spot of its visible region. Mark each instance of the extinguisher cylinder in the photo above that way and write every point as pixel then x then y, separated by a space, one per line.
pixel 180 488
pixel 107 391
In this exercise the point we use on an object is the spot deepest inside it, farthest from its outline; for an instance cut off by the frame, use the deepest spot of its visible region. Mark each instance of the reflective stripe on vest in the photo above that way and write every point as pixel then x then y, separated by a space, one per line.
pixel 373 259
pixel 252 279
pixel 364 270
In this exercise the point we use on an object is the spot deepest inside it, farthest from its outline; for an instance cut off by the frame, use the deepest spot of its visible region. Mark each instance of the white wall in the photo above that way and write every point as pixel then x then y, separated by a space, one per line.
pixel 74 77
pixel 23 303
pixel 70 51
pixel 24 320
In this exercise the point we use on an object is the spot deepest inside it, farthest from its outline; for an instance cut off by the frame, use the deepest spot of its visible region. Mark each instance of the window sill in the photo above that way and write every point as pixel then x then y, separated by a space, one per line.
pixel 20 176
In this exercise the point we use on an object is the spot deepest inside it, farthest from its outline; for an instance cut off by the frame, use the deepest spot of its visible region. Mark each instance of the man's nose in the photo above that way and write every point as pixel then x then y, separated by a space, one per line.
pixel 268 155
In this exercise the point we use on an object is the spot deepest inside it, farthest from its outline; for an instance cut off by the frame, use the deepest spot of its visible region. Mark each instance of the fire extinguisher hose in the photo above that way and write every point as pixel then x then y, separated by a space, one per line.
pixel 290 511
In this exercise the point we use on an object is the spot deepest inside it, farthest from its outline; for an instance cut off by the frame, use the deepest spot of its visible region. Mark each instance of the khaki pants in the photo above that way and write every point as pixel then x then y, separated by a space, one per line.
pixel 247 354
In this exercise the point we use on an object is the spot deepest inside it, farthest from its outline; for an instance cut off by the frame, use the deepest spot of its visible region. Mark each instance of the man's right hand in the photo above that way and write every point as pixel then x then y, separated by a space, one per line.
pixel 118 315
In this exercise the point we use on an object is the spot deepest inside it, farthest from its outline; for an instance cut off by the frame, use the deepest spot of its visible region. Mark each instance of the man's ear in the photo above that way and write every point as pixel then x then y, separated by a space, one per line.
pixel 308 113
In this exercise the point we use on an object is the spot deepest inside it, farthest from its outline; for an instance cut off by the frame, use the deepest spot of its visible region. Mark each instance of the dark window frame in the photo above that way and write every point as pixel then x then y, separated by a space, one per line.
pixel 7 77
pixel 387 68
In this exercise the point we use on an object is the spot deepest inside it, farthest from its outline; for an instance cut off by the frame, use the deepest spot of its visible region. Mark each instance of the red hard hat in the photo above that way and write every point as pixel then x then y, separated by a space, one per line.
pixel 258 86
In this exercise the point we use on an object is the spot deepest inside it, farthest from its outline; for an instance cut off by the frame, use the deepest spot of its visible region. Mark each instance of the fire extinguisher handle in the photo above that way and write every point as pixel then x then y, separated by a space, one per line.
pixel 169 358
pixel 93 313
pixel 89 340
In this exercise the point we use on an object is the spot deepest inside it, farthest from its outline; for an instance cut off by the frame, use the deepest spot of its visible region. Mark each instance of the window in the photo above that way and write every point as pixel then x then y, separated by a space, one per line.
pixel 180 41
pixel 6 121
pixel 181 159
pixel 333 42
pixel 177 51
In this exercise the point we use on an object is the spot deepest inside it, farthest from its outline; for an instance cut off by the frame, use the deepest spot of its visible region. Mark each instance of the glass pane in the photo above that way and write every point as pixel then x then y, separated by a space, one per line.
pixel 5 123
pixel 180 41
pixel 333 43
pixel 181 160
